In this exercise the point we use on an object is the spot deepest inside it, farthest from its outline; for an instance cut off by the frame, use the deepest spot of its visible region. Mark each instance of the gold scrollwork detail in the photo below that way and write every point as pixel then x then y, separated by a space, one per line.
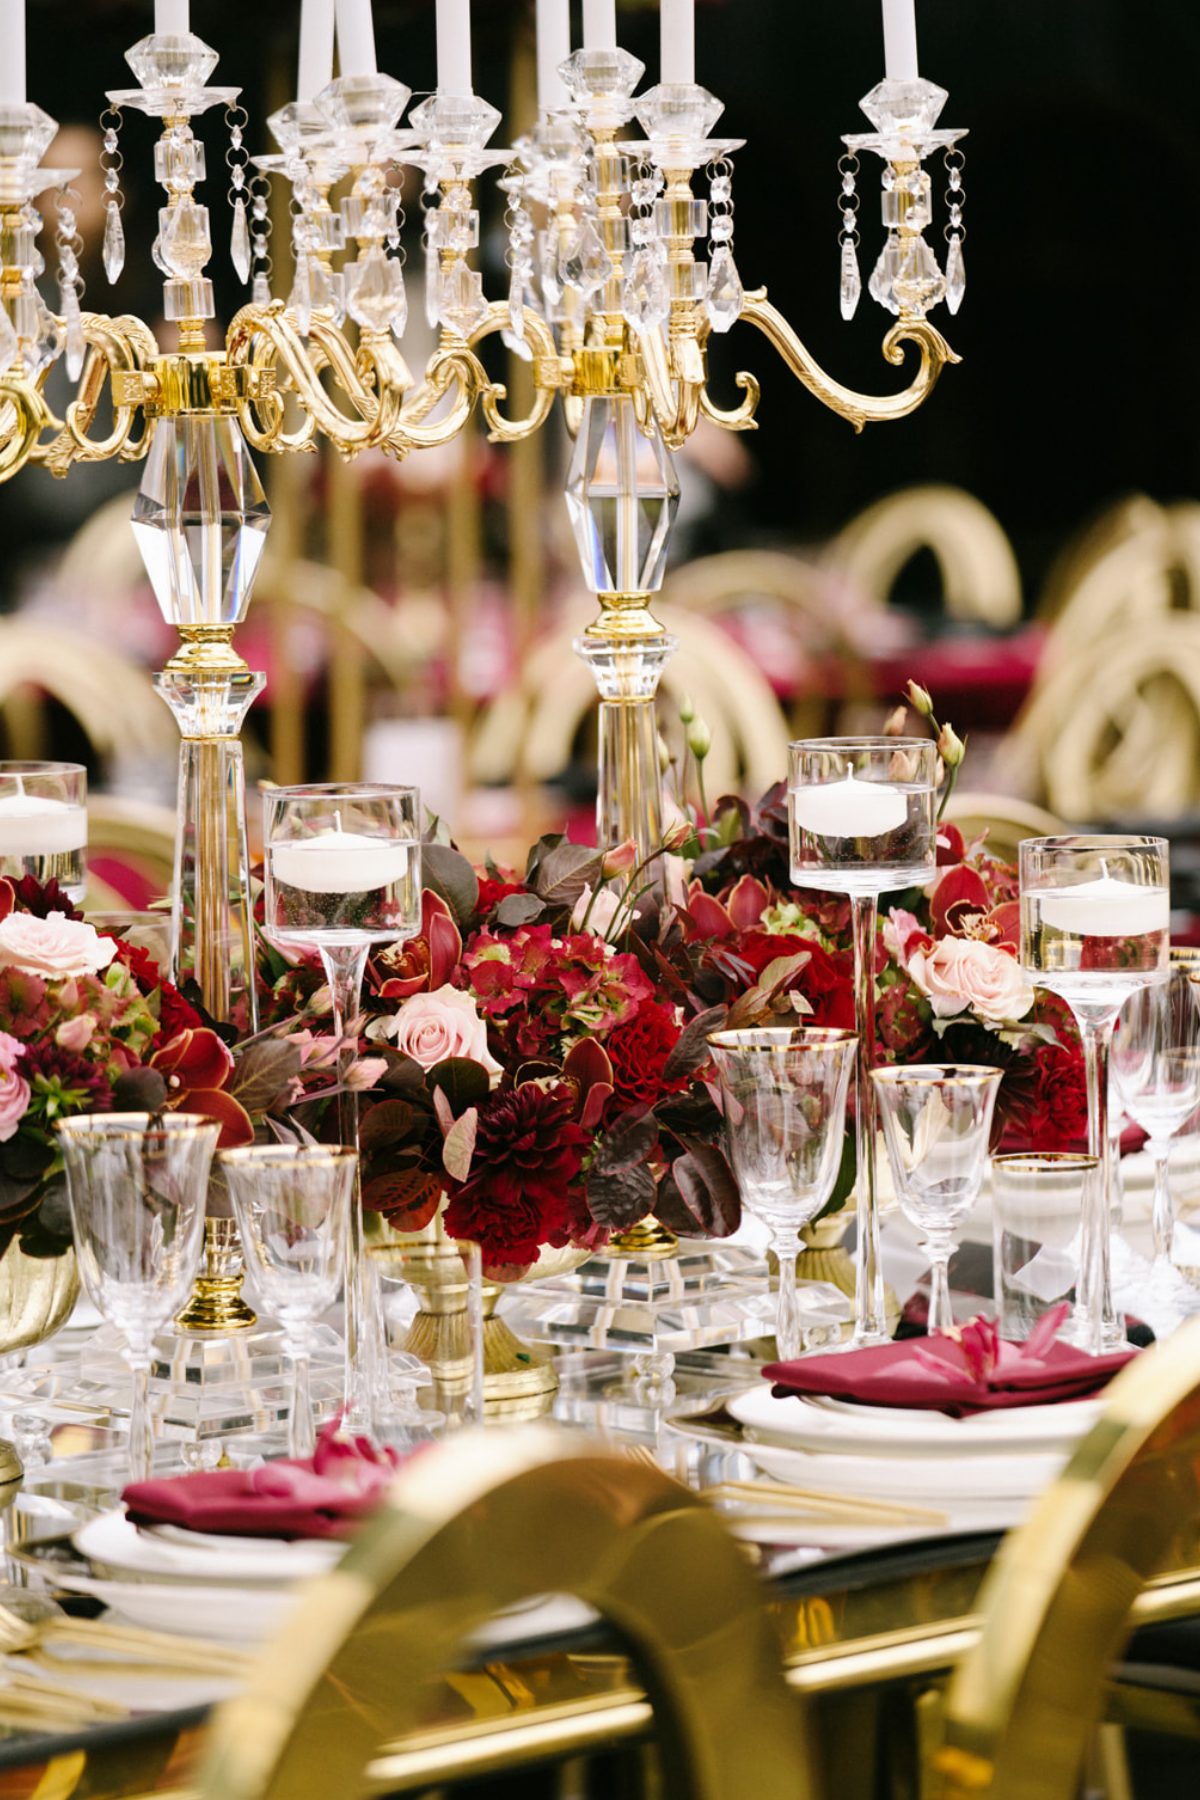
pixel 540 339
pixel 859 409
pixel 117 349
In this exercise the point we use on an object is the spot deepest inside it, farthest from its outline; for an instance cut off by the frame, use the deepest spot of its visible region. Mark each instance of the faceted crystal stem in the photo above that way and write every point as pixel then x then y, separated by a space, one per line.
pixel 629 799
pixel 211 908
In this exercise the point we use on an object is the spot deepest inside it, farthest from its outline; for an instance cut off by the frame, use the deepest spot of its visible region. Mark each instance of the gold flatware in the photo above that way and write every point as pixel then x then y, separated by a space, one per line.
pixel 856 1508
pixel 33 1621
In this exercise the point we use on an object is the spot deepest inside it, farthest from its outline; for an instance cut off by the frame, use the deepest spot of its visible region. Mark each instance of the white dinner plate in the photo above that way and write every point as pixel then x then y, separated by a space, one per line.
pixel 817 1423
pixel 229 1615
pixel 970 1487
pixel 115 1546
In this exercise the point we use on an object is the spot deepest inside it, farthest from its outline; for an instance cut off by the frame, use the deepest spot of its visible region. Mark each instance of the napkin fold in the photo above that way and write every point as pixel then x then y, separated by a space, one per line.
pixel 967 1370
pixel 324 1495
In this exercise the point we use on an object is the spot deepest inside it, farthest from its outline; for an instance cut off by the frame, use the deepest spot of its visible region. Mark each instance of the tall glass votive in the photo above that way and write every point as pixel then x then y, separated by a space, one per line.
pixel 861 820
pixel 43 824
pixel 343 874
pixel 1039 1200
pixel 1095 924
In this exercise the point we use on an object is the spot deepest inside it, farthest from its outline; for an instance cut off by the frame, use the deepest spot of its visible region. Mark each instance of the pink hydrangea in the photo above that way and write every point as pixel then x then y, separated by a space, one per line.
pixel 14 1089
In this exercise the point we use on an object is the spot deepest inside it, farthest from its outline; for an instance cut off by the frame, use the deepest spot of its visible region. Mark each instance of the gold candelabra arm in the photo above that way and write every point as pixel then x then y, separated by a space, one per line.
pixel 548 375
pixel 120 350
pixel 857 408
pixel 30 416
pixel 265 338
pixel 737 418
pixel 456 367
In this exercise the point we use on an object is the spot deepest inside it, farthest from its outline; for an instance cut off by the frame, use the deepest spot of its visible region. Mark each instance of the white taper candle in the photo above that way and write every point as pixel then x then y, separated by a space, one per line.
pixel 12 52
pixel 677 26
pixel 356 37
pixel 599 24
pixel 454 46
pixel 170 18
pixel 553 48
pixel 900 40
pixel 316 48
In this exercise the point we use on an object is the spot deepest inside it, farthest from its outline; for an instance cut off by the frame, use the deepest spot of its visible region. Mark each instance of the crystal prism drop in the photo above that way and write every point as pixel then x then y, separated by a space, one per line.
pixel 184 239
pixel 551 281
pixel 851 280
pixel 373 288
pixel 463 304
pixel 433 287
pixel 301 301
pixel 584 263
pixel 73 321
pixel 8 340
pixel 883 276
pixel 260 292
pixel 114 242
pixel 200 519
pixel 644 298
pixel 239 242
pixel 919 282
pixel 45 344
pixel 516 302
pixel 725 297
pixel 956 275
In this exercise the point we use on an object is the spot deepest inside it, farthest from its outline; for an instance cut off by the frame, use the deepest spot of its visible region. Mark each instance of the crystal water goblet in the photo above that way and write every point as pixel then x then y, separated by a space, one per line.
pixel 784 1091
pixel 1095 922
pixel 292 1204
pixel 937 1118
pixel 861 820
pixel 342 870
pixel 137 1185
pixel 1155 1061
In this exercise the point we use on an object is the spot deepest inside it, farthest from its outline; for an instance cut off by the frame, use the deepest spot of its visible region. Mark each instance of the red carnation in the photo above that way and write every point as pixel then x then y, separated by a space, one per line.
pixel 825 981
pixel 492 890
pixel 528 1151
pixel 637 1051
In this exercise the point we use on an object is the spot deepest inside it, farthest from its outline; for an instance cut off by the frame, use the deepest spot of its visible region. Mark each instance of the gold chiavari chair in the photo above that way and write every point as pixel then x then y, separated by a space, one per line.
pixel 339 1705
pixel 1005 820
pixel 1059 1601
pixel 980 578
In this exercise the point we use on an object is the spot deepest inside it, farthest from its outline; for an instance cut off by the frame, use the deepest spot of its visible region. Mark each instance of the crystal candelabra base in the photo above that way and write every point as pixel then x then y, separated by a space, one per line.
pixel 216 1303
pixel 626 670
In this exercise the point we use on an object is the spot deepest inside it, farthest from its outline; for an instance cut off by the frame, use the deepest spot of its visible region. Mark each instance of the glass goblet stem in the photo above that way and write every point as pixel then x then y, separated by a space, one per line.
pixel 473 1402
pixel 302 1425
pixel 141 1437
pixel 939 1250
pixel 870 1323
pixel 344 965
pixel 1163 1213
pixel 1101 1327
pixel 788 1342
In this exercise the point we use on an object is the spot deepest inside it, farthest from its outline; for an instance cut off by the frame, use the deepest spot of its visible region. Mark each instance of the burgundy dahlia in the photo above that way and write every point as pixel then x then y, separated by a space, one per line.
pixel 528 1151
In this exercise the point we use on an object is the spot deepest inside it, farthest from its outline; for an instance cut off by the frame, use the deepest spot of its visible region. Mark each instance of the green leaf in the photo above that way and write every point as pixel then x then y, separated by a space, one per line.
pixel 449 874
pixel 566 871
pixel 464 1083
pixel 519 909
pixel 263 1071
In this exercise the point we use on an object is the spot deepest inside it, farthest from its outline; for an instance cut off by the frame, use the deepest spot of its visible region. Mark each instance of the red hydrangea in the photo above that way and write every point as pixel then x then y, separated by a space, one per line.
pixel 638 1050
pixel 528 1151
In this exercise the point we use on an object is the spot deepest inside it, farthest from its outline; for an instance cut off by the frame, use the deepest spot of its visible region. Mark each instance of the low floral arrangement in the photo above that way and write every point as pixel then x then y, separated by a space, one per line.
pixel 535 1061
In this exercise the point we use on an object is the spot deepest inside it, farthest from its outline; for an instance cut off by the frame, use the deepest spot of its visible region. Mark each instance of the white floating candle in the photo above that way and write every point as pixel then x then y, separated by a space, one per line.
pixel 850 808
pixel 900 40
pixel 677 41
pixel 599 24
pixel 171 18
pixel 35 825
pixel 316 48
pixel 553 48
pixel 356 37
pixel 454 46
pixel 1106 907
pixel 12 53
pixel 339 862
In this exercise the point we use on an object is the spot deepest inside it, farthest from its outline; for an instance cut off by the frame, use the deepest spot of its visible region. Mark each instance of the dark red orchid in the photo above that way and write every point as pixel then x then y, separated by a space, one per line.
pixel 196 1065
pixel 424 963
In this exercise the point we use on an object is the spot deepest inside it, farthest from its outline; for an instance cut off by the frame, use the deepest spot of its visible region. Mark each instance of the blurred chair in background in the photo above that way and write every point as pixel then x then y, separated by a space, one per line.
pixel 980 578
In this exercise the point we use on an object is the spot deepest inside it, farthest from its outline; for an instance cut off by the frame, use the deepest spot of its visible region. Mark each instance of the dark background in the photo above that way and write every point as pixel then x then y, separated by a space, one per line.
pixel 1080 369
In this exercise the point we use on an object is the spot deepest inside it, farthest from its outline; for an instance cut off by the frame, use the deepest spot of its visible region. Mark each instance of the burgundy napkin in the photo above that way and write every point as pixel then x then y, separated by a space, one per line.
pixel 970 1369
pixel 324 1495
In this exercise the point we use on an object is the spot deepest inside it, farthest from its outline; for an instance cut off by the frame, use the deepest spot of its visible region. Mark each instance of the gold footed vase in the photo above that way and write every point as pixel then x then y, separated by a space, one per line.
pixel 519 1379
pixel 647 1241
pixel 37 1297
pixel 825 1258
pixel 216 1302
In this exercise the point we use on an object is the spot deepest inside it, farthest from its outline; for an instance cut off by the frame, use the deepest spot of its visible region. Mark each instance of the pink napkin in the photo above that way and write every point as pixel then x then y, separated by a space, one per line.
pixel 322 1496
pixel 967 1370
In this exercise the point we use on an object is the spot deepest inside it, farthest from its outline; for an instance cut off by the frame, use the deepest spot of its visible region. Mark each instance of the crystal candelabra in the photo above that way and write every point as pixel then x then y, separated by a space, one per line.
pixel 608 301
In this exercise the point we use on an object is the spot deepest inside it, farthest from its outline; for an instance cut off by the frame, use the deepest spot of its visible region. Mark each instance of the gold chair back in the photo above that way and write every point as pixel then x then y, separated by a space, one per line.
pixel 980 578
pixel 113 700
pixel 1056 1603
pixel 1006 821
pixel 482 1523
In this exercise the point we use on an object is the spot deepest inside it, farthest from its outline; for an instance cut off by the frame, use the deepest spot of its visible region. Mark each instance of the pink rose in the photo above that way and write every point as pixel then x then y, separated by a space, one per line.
pixel 14 1089
pixel 598 909
pixel 431 1027
pixel 963 972
pixel 54 946
pixel 76 1034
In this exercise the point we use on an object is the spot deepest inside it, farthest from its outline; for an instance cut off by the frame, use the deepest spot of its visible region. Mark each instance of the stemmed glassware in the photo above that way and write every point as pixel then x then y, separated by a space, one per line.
pixel 784 1090
pixel 1155 1060
pixel 343 873
pixel 937 1118
pixel 861 821
pixel 137 1184
pixel 1095 925
pixel 292 1204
